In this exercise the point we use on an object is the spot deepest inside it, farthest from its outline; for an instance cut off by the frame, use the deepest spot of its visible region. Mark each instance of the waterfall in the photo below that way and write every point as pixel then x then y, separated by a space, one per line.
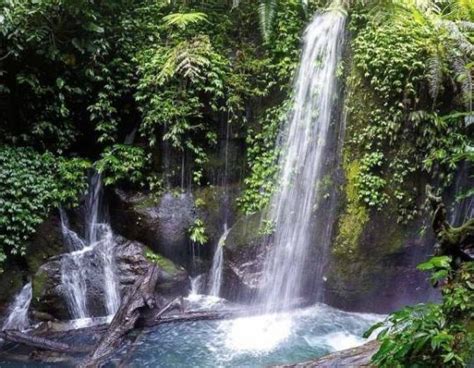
pixel 196 285
pixel 72 277
pixel 463 209
pixel 98 244
pixel 218 265
pixel 18 312
pixel 305 144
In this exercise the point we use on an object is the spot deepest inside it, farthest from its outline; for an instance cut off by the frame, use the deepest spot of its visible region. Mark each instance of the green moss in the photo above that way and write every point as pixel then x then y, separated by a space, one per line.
pixel 353 221
pixel 164 263
pixel 247 231
pixel 207 198
pixel 146 202
pixel 38 284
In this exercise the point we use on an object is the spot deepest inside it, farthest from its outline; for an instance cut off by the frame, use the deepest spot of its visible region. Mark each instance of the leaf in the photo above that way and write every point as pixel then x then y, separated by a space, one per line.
pixel 182 20
pixel 92 27
pixel 372 328
pixel 435 263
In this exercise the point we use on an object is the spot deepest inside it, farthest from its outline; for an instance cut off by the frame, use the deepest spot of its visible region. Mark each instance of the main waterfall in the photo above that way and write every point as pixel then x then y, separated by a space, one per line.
pixel 305 145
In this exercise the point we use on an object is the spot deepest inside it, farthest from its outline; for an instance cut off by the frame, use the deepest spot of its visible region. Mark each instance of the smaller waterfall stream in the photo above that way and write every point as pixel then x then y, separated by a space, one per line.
pixel 72 266
pixel 18 312
pixel 218 265
pixel 95 250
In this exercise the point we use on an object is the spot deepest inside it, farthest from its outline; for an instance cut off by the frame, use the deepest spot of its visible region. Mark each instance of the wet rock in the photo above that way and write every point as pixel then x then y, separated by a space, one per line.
pixel 132 259
pixel 162 224
pixel 244 256
pixel 355 357
pixel 46 243
pixel 379 275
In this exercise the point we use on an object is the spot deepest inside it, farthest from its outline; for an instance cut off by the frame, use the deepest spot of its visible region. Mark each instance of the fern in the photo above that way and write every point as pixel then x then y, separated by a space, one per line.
pixel 187 59
pixel 267 9
pixel 182 20
pixel 435 76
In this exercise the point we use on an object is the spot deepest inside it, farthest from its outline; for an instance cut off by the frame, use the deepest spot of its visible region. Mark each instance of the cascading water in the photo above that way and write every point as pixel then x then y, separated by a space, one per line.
pixel 18 312
pixel 304 145
pixel 463 209
pixel 72 277
pixel 218 265
pixel 98 244
pixel 215 277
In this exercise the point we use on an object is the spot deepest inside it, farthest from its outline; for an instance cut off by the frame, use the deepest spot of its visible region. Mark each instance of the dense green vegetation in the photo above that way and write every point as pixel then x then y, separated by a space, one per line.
pixel 133 88
pixel 432 335
pixel 79 77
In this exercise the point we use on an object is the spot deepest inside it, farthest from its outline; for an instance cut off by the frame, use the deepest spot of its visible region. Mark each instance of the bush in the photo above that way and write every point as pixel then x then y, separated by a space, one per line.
pixel 30 185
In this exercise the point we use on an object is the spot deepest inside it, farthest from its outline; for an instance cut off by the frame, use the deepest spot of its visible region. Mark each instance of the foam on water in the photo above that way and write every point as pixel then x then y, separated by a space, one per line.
pixel 257 341
pixel 257 334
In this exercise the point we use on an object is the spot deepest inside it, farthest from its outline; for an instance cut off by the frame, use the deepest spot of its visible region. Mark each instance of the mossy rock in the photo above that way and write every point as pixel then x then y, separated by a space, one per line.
pixel 373 260
pixel 11 281
pixel 164 263
pixel 247 231
pixel 46 243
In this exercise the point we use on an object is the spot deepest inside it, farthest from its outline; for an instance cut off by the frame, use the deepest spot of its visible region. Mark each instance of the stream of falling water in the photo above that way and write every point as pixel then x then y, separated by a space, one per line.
pixel 78 265
pixel 218 265
pixel 306 143
pixel 305 146
pixel 18 312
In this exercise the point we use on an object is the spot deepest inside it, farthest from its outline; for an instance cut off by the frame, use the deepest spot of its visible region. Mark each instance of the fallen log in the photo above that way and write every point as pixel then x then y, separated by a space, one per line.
pixel 40 342
pixel 137 298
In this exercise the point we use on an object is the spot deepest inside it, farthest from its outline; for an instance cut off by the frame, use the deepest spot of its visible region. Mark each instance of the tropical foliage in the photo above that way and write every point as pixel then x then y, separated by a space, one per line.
pixel 415 58
pixel 30 185
pixel 432 335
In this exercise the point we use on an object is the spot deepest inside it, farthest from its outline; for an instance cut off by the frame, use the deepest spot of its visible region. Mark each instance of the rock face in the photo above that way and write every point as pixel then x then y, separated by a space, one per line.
pixel 132 260
pixel 160 224
pixel 46 243
pixel 244 256
pixel 163 223
pixel 376 271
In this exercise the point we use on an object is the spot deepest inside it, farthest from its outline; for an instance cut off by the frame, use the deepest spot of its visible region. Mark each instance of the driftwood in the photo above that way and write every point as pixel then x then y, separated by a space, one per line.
pixel 139 297
pixel 39 342
pixel 456 242
pixel 194 316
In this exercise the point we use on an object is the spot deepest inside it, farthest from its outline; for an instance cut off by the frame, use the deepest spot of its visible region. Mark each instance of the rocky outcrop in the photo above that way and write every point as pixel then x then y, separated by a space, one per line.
pixel 133 260
pixel 355 357
pixel 162 224
pixel 244 256
pixel 377 272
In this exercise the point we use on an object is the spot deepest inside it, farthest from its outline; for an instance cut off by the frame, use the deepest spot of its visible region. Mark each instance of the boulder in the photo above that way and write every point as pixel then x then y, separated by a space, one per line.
pixel 379 273
pixel 46 243
pixel 162 224
pixel 244 256
pixel 132 260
